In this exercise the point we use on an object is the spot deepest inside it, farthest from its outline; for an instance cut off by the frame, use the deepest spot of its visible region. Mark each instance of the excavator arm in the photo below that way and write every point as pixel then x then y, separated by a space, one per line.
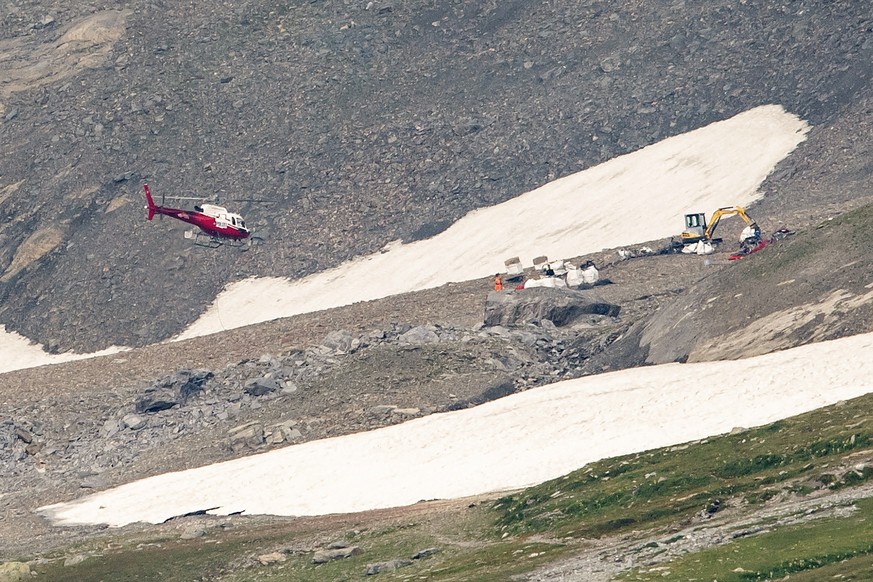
pixel 726 211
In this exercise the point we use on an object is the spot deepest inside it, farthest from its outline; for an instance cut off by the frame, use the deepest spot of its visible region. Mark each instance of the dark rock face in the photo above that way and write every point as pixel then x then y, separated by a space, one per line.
pixel 558 305
pixel 498 388
pixel 361 126
pixel 261 386
pixel 191 382
pixel 172 390
pixel 150 403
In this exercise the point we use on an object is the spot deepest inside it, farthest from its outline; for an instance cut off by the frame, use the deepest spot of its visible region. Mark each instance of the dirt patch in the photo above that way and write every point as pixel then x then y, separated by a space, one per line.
pixel 9 190
pixel 101 28
pixel 85 44
pixel 773 332
pixel 36 246
pixel 116 204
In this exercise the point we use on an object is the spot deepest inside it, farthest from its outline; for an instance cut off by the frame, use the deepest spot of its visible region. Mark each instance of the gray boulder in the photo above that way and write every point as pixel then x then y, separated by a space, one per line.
pixel 110 428
pixel 246 436
pixel 421 334
pixel 172 390
pixel 192 532
pixel 154 401
pixel 23 434
pixel 261 386
pixel 190 382
pixel 340 342
pixel 426 553
pixel 324 556
pixel 389 566
pixel 133 421
pixel 282 432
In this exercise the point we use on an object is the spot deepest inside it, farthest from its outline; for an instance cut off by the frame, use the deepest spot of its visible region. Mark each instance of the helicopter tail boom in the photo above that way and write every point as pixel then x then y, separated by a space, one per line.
pixel 151 203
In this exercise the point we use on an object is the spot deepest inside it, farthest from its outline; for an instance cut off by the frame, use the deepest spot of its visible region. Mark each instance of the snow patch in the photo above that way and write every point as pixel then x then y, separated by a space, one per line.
pixel 516 441
pixel 18 352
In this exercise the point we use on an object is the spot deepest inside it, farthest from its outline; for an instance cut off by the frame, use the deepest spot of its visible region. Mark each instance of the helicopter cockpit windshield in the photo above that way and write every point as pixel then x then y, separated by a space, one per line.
pixel 237 221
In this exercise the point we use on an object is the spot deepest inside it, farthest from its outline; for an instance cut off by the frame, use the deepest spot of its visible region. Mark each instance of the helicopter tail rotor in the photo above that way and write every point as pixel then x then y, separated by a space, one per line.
pixel 151 203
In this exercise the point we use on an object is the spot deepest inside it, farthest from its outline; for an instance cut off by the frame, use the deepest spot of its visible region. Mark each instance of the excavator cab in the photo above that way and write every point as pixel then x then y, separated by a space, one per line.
pixel 695 227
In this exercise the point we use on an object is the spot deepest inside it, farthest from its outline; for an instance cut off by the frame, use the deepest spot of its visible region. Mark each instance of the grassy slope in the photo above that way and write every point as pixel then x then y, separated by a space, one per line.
pixel 647 492
pixel 833 548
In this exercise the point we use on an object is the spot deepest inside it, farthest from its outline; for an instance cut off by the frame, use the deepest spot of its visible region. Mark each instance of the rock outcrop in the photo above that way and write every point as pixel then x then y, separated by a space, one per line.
pixel 561 306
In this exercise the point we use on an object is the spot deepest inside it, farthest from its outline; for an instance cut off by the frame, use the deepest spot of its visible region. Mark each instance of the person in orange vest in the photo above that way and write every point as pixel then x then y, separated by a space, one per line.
pixel 498 284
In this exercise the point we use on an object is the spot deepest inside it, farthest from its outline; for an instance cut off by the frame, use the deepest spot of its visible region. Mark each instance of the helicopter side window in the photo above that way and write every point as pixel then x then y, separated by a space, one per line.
pixel 198 208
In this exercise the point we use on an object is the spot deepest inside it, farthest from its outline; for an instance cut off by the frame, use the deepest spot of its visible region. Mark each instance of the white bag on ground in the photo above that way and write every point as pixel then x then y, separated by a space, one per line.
pixel 590 275
pixel 575 277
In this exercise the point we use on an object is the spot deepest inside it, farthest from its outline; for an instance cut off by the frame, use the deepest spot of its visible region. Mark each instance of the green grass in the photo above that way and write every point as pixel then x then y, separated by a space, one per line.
pixel 817 549
pixel 659 486
pixel 156 559
pixel 650 491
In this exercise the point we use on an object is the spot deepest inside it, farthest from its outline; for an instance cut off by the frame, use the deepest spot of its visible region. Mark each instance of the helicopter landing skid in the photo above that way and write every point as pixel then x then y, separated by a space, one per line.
pixel 204 240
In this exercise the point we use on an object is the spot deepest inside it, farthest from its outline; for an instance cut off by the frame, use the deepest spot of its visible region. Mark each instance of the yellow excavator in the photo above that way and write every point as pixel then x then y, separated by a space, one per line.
pixel 696 228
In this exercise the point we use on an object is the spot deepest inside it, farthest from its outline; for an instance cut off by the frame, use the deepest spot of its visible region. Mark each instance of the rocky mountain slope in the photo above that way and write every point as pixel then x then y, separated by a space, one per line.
pixel 361 123
pixel 812 288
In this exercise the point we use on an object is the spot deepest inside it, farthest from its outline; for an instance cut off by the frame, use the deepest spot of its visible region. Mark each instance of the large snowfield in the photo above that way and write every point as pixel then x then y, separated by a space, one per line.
pixel 539 434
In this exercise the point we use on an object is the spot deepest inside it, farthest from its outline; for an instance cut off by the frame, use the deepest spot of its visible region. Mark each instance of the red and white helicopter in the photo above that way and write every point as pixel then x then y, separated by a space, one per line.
pixel 217 225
